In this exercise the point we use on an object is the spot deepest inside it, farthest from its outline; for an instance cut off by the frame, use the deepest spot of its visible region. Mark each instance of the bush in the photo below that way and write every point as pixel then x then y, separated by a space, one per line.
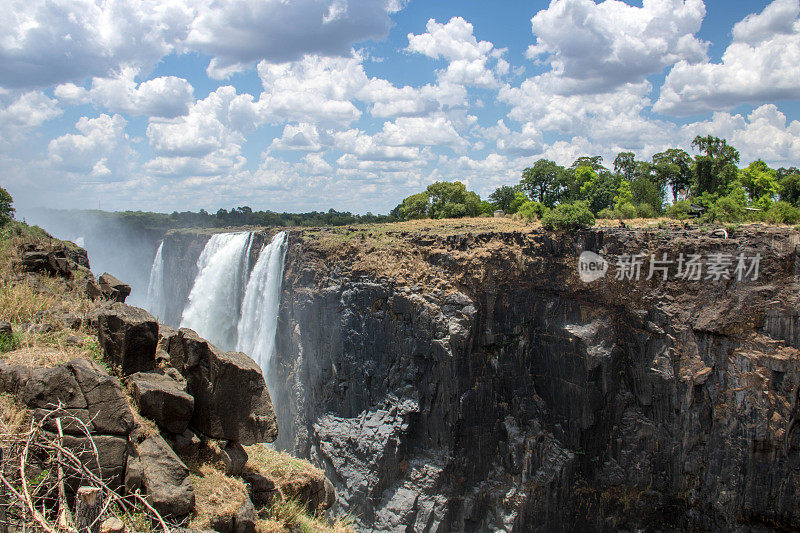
pixel 606 213
pixel 532 210
pixel 626 210
pixel 679 210
pixel 569 216
pixel 645 211
pixel 727 209
pixel 783 213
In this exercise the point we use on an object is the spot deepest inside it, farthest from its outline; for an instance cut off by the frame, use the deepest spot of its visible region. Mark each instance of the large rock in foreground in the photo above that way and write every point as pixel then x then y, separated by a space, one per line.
pixel 128 337
pixel 155 467
pixel 231 401
pixel 163 400
pixel 113 289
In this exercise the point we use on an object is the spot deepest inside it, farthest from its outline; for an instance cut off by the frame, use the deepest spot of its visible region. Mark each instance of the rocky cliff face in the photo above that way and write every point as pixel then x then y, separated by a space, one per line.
pixel 499 391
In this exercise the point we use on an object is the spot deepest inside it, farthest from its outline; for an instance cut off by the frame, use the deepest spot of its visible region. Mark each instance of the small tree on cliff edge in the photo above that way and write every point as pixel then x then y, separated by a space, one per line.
pixel 6 207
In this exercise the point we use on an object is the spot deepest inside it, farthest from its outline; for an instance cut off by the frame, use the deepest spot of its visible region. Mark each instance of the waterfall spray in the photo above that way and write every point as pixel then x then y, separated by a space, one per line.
pixel 215 300
pixel 259 321
pixel 156 302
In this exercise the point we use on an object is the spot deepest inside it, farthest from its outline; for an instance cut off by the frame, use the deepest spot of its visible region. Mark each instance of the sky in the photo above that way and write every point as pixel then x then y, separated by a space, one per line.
pixel 299 105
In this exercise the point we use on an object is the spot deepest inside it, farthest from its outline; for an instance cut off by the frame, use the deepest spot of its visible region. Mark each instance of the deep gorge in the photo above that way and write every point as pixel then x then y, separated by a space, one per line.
pixel 512 396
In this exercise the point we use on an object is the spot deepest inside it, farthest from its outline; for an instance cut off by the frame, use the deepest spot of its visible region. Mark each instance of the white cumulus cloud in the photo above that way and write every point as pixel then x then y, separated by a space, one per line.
pixel 760 65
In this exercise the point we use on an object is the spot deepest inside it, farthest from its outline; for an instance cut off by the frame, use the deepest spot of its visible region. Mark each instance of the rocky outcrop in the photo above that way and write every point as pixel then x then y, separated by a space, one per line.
pixel 91 400
pixel 128 337
pixel 113 289
pixel 219 380
pixel 51 262
pixel 162 399
pixel 524 399
pixel 156 468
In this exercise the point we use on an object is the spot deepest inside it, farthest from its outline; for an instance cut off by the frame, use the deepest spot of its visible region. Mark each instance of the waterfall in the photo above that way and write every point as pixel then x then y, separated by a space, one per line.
pixel 156 302
pixel 215 300
pixel 259 320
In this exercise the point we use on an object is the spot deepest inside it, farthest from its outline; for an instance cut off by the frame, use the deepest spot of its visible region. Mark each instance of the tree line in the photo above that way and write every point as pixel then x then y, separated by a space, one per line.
pixel 672 182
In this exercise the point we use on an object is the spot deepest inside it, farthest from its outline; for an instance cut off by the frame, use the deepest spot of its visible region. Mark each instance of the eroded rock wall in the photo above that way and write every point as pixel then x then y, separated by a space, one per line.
pixel 527 400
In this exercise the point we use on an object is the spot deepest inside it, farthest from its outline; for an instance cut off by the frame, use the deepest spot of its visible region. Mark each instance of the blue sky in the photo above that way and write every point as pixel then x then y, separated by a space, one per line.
pixel 353 104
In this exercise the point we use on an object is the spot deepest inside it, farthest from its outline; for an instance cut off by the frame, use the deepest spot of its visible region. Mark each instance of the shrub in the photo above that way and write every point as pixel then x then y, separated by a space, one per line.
pixel 644 210
pixel 606 213
pixel 532 210
pixel 626 210
pixel 782 212
pixel 679 210
pixel 728 209
pixel 569 216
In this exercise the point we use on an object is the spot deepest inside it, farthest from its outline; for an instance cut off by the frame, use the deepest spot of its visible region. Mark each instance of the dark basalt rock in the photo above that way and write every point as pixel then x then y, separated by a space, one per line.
pixel 231 401
pixel 128 337
pixel 163 476
pixel 51 262
pixel 113 289
pixel 106 404
pixel 163 400
pixel 531 401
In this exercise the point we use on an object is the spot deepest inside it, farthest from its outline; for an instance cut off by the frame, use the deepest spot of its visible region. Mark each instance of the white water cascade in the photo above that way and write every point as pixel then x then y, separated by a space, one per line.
pixel 215 300
pixel 156 302
pixel 259 319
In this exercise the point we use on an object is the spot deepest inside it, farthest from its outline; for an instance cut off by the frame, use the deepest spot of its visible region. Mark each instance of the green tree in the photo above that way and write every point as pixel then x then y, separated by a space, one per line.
pixel 760 182
pixel 790 188
pixel 568 216
pixel 519 199
pixel 544 182
pixel 503 198
pixel 594 162
pixel 625 165
pixel 715 170
pixel 443 192
pixel 624 194
pixel 598 189
pixel 674 167
pixel 6 207
pixel 415 206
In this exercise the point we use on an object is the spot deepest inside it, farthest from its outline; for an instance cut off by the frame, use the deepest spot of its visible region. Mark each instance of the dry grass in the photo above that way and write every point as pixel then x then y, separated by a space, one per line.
pixel 283 515
pixel 279 466
pixel 14 417
pixel 53 348
pixel 288 471
pixel 215 493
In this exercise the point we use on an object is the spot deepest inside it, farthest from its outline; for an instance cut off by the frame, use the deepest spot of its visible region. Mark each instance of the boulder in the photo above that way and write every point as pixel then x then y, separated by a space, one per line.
pixel 315 491
pixel 50 387
pixel 244 521
pixel 106 404
pixel 92 289
pixel 232 455
pixel 260 487
pixel 163 400
pixel 113 289
pixel 73 421
pixel 231 401
pixel 12 377
pixel 46 262
pixel 186 443
pixel 111 453
pixel 128 337
pixel 164 477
